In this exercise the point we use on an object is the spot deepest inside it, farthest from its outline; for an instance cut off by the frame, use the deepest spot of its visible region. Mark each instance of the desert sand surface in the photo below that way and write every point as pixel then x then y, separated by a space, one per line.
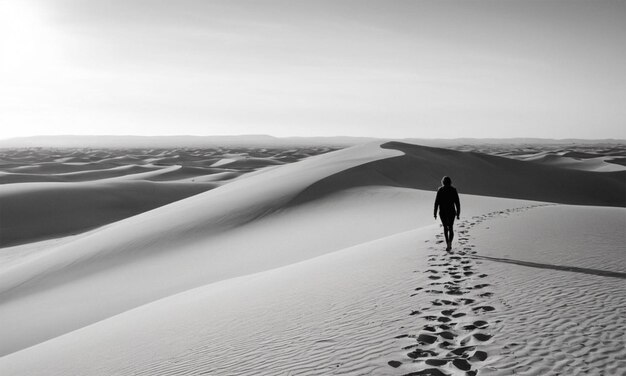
pixel 324 262
pixel 52 192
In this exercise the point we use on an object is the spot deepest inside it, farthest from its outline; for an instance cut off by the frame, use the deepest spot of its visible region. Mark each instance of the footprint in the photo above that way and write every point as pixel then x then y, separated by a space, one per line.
pixel 462 364
pixel 447 335
pixel 418 353
pixel 479 356
pixel 482 337
pixel 429 372
pixel 484 308
pixel 455 292
pixel 462 350
pixel 426 339
pixel 436 362
pixel 448 302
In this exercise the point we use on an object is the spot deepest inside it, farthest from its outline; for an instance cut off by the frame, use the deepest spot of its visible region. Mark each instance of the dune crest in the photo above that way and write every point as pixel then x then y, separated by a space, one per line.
pixel 139 249
pixel 421 167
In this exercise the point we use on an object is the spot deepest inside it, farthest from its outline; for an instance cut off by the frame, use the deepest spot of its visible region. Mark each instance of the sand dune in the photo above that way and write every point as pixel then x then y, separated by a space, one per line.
pixel 67 191
pixel 153 236
pixel 599 157
pixel 332 265
pixel 421 167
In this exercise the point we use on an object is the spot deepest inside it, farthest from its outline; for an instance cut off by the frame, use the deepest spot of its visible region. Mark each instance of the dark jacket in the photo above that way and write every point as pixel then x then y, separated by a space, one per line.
pixel 447 201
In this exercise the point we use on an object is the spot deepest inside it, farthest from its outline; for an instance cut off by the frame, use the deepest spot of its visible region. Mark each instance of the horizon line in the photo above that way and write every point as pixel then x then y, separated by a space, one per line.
pixel 258 135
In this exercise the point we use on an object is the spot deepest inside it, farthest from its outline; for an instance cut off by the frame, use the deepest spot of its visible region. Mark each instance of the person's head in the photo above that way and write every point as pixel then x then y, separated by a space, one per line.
pixel 446 181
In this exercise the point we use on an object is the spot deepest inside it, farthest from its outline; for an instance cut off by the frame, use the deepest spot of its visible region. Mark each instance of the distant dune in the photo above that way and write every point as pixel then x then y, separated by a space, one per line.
pixel 47 193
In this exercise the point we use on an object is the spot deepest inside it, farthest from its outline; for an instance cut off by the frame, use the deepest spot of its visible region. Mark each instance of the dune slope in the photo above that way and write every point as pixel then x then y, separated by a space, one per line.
pixel 201 239
pixel 422 167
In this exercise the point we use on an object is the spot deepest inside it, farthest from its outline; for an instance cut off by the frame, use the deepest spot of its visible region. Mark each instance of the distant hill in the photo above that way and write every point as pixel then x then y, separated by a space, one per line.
pixel 109 141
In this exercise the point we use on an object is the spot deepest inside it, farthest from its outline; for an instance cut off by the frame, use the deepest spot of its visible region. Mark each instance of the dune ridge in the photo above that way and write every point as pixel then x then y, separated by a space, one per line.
pixel 137 249
pixel 421 167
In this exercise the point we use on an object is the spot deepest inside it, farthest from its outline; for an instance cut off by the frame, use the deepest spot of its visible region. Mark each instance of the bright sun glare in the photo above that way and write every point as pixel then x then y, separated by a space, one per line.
pixel 26 41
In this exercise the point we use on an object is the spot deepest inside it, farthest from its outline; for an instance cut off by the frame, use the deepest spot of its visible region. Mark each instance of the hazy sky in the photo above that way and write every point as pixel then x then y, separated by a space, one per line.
pixel 297 68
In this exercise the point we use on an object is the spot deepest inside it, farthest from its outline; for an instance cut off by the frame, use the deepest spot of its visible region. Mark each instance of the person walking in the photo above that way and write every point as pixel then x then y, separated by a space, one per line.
pixel 447 201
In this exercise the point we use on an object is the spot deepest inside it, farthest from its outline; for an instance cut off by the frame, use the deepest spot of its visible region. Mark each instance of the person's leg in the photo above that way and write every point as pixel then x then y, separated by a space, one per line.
pixel 451 233
pixel 444 222
pixel 451 230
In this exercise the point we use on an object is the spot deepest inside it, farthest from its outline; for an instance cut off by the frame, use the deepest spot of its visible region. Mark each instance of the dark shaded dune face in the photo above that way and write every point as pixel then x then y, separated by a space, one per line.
pixel 581 155
pixel 480 174
pixel 618 161
pixel 77 176
pixel 187 172
pixel 61 210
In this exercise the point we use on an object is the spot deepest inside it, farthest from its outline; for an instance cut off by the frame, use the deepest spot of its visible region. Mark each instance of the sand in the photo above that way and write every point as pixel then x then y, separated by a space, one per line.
pixel 48 193
pixel 334 265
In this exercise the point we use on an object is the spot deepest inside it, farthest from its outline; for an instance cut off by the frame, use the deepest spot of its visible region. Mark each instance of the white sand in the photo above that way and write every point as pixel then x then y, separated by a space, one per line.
pixel 242 280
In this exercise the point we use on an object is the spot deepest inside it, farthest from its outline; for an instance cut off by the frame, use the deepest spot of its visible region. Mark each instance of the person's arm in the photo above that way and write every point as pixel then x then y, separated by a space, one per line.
pixel 436 204
pixel 457 203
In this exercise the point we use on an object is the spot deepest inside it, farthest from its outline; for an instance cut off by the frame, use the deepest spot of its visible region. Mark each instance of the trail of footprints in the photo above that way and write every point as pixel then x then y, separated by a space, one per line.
pixel 459 313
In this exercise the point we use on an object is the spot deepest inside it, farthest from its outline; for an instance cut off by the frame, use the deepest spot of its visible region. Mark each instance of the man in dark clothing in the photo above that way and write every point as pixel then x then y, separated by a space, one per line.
pixel 449 206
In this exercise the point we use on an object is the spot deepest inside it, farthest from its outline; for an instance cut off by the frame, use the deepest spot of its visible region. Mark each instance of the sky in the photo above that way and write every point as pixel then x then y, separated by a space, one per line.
pixel 387 68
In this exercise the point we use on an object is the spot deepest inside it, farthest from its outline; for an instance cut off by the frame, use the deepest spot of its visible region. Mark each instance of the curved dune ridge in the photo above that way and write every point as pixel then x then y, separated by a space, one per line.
pixel 421 167
pixel 180 232
pixel 320 255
